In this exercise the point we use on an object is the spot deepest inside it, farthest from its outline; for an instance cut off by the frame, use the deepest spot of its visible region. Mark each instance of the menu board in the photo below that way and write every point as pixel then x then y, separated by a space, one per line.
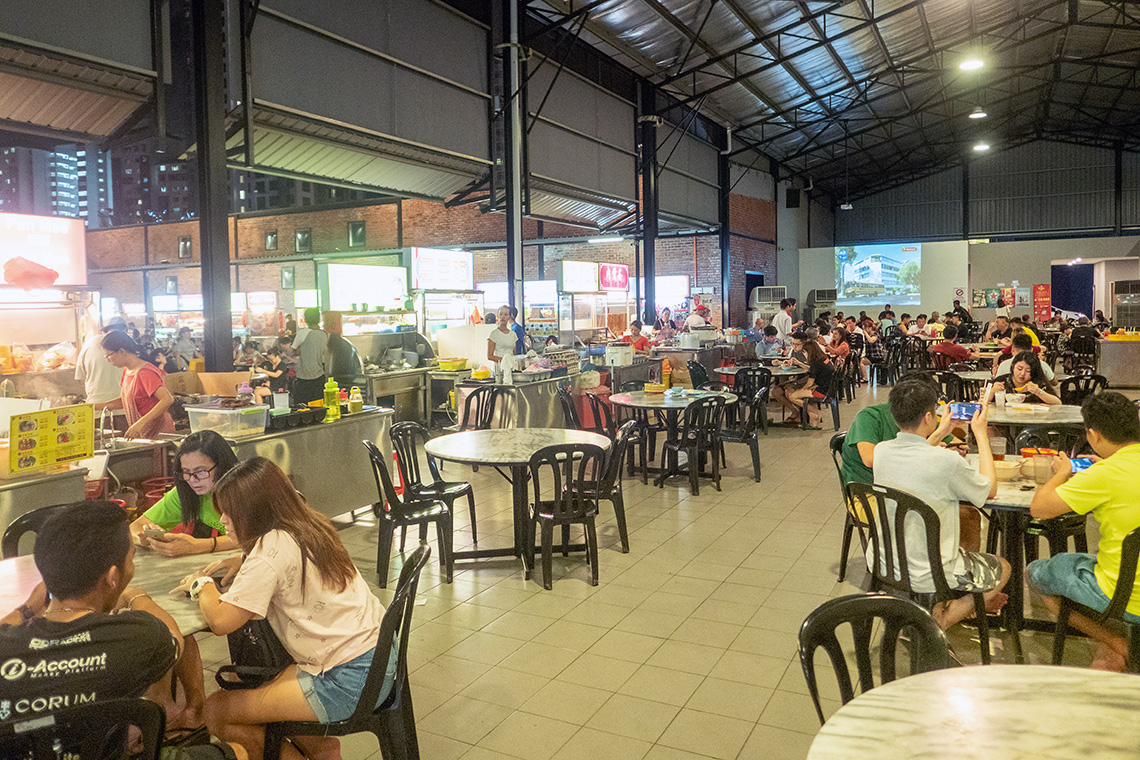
pixel 613 276
pixel 191 302
pixel 578 277
pixel 1042 302
pixel 42 251
pixel 164 303
pixel 44 439
pixel 439 269
pixel 262 301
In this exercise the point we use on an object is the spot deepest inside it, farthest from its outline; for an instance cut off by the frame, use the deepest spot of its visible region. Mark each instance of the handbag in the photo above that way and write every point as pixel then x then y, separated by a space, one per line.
pixel 258 656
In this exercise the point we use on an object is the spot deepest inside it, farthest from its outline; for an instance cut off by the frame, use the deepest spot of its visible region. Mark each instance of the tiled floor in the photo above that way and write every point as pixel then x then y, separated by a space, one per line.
pixel 686 649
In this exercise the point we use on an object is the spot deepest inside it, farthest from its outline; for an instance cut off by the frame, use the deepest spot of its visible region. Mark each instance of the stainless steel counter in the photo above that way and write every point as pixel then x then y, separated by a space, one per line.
pixel 19 496
pixel 679 358
pixel 47 384
pixel 641 369
pixel 528 405
pixel 406 391
pixel 327 462
pixel 1120 363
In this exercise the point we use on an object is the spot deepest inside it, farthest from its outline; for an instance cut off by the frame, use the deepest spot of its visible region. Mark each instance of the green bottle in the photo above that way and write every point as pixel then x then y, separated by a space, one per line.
pixel 332 401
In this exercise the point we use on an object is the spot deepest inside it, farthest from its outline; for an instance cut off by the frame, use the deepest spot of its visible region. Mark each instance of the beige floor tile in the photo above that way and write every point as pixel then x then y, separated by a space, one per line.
pixel 591 744
pixel 470 616
pixel 594 612
pixel 503 687
pixel 741 594
pixel 464 719
pixel 448 674
pixel 619 596
pixel 569 634
pixel 686 657
pixel 438 747
pixel 650 623
pixel 708 632
pixel 517 625
pixel 566 701
pixel 724 612
pixel 708 734
pixel 672 687
pixel 482 753
pixel 772 743
pixel 598 672
pixel 539 659
pixel 548 605
pixel 486 648
pixel 621 645
pixel 730 698
pixel 763 641
pixel 529 736
pixel 795 712
pixel 661 752
pixel 773 619
pixel 754 669
pixel 633 717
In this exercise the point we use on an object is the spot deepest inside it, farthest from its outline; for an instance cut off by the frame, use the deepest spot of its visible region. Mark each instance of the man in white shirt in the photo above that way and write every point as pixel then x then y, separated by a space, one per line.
pixel 940 478
pixel 783 321
pixel 100 378
pixel 920 327
pixel 697 318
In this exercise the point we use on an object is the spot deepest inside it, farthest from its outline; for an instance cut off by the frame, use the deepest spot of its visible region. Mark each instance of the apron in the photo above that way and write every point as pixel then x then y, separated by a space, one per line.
pixel 164 423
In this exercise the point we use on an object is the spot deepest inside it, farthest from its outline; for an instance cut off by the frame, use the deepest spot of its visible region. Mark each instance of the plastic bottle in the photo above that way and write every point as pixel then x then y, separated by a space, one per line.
pixel 332 401
pixel 342 401
pixel 666 374
pixel 245 393
pixel 355 401
pixel 7 389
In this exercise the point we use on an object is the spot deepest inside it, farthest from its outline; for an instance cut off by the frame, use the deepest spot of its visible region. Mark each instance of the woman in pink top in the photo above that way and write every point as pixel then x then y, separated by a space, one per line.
pixel 297 575
pixel 142 394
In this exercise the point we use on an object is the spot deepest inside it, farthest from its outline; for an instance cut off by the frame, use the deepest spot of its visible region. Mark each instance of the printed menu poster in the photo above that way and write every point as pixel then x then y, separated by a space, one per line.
pixel 1042 302
pixel 40 440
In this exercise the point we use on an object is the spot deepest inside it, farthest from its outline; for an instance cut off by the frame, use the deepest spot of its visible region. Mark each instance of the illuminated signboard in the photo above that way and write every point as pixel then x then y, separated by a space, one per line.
pixel 578 277
pixel 436 269
pixel 262 301
pixel 613 276
pixel 42 251
pixel 354 286
pixel 164 303
pixel 237 302
pixel 305 299
pixel 190 303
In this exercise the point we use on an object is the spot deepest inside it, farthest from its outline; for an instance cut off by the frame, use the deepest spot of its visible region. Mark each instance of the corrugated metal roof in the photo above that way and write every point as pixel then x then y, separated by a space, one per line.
pixel 57 96
pixel 873 89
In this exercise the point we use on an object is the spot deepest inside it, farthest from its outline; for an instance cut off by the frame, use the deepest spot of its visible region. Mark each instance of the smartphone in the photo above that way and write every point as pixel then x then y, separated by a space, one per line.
pixel 155 533
pixel 1080 463
pixel 964 411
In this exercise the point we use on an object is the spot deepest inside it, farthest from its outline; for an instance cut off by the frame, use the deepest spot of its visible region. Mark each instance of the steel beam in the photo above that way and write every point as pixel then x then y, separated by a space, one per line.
pixel 510 53
pixel 724 182
pixel 207 20
pixel 648 133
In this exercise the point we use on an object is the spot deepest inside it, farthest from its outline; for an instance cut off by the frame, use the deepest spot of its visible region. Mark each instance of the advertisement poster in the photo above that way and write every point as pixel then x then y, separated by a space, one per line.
pixel 992 296
pixel 1023 297
pixel 1042 302
pixel 978 299
pixel 40 440
pixel 613 277
pixel 42 251
pixel 578 276
pixel 1009 295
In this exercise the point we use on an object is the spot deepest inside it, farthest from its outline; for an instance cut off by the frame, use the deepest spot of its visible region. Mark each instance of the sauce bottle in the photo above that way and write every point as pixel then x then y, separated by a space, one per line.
pixel 332 401
pixel 355 401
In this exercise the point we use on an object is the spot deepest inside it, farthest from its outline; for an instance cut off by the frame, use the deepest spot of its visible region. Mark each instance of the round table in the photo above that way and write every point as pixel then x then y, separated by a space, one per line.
pixel 776 371
pixel 671 406
pixel 511 448
pixel 1040 414
pixel 992 711
pixel 981 376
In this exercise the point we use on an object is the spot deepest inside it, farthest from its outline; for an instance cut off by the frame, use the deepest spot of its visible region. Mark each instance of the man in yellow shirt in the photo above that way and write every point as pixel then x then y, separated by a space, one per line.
pixel 1017 322
pixel 1107 489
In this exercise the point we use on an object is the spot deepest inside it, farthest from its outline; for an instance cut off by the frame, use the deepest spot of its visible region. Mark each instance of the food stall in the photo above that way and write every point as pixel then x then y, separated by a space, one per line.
pixel 671 291
pixel 443 290
pixel 582 306
pixel 1119 357
pixel 540 305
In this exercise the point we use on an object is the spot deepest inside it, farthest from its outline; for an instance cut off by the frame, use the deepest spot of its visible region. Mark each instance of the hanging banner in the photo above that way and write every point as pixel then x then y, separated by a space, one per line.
pixel 1042 302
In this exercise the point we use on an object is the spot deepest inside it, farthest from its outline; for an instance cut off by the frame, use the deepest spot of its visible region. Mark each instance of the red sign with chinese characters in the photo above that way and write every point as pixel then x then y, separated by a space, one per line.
pixel 1042 302
pixel 613 276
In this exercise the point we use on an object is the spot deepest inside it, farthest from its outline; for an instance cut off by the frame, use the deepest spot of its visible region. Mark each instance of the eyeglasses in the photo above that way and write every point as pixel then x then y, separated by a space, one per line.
pixel 200 474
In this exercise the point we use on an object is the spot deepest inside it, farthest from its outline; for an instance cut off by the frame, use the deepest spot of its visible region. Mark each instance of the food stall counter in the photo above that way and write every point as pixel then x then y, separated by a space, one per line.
pixel 407 389
pixel 1118 362
pixel 21 495
pixel 709 357
pixel 531 404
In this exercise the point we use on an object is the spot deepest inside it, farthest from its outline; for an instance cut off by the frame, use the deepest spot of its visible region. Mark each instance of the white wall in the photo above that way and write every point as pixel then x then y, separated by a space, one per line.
pixel 945 269
pixel 1107 272
pixel 795 231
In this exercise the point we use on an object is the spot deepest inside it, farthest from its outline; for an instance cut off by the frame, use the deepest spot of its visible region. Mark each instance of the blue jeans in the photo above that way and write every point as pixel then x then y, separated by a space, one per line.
pixel 1071 576
pixel 333 695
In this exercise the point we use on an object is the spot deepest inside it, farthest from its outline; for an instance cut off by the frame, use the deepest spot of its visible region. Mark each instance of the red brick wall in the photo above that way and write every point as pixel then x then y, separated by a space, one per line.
pixel 126 286
pixel 752 222
pixel 329 230
pixel 115 248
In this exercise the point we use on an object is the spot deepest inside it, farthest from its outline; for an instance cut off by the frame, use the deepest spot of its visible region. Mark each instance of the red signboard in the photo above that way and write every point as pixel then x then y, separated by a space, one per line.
pixel 1042 302
pixel 613 276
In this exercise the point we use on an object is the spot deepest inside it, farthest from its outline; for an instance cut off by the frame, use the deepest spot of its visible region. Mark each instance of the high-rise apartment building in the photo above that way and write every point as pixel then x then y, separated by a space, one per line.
pixel 68 181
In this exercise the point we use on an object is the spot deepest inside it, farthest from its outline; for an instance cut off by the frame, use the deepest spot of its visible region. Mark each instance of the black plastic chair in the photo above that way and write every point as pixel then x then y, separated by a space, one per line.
pixel 752 380
pixel 926 641
pixel 699 436
pixel 569 411
pixel 401 512
pixel 604 424
pixel 1125 584
pixel 479 408
pixel 889 567
pixel 609 489
pixel 1078 388
pixel 747 432
pixel 1083 349
pixel 392 721
pixel 405 442
pixel 852 521
pixel 1082 370
pixel 1056 530
pixel 92 730
pixel 570 501
pixel 29 522
pixel 698 375
pixel 830 398
pixel 650 424
pixel 952 386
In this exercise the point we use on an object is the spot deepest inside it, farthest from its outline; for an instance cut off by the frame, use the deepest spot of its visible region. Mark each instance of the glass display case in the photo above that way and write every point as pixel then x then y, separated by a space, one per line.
pixel 540 307
pixel 440 309
pixel 582 318
pixel 365 323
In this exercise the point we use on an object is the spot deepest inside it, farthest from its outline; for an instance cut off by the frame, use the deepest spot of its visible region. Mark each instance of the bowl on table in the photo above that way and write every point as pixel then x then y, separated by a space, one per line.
pixel 1008 469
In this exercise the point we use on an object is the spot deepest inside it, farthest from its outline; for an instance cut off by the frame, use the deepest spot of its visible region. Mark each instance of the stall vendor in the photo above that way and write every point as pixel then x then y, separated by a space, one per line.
pixel 142 394
pixel 501 340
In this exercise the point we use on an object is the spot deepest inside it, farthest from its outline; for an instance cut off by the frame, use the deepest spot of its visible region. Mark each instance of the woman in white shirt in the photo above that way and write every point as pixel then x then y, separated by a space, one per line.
pixel 502 340
pixel 297 575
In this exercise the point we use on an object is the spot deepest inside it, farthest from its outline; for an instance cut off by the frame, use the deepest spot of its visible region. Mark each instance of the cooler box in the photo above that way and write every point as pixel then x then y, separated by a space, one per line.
pixel 619 354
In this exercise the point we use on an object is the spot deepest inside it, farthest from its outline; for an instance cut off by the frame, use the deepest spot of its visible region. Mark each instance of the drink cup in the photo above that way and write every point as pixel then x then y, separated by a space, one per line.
pixel 1042 469
pixel 999 398
pixel 997 448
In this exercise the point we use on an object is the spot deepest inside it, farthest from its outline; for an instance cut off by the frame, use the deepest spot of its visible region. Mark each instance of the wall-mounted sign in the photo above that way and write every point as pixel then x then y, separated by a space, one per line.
pixel 1042 302
pixel 613 276
pixel 42 251
pixel 495 294
pixel 578 276
pixel 438 269
pixel 237 302
pixel 262 301
pixel 352 287
pixel 164 303
pixel 190 302
pixel 40 440
pixel 306 299
pixel 134 309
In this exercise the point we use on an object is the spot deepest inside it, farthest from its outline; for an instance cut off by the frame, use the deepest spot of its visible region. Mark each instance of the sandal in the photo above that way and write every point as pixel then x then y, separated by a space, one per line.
pixel 811 427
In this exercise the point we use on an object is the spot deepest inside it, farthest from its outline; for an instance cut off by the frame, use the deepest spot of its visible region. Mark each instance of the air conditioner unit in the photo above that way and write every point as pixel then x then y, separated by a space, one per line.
pixel 819 301
pixel 764 302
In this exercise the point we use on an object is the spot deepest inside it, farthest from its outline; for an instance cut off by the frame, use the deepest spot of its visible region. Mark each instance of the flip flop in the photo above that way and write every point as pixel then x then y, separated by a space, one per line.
pixel 812 427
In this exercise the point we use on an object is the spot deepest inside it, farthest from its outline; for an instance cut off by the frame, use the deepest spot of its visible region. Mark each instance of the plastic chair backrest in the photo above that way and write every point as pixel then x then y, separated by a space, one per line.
pixel 1078 388
pixel 889 552
pixel 927 642
pixel 484 398
pixel 384 486
pixel 603 420
pixel 752 379
pixel 611 478
pixel 1083 345
pixel 698 375
pixel 632 385
pixel 703 419
pixel 1045 436
pixel 92 730
pixel 571 466
pixel 1126 578
pixel 405 438
pixel 835 446
pixel 569 411
pixel 29 522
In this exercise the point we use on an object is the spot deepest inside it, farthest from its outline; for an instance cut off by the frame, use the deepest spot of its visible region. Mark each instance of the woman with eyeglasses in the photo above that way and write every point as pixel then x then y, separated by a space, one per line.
pixel 142 394
pixel 186 514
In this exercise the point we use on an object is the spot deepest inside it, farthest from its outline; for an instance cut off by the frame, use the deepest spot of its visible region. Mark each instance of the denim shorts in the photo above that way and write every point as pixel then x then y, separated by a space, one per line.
pixel 333 694
pixel 1071 576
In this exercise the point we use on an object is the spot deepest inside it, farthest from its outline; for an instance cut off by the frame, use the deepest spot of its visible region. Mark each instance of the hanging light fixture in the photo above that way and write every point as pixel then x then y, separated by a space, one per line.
pixel 981 147
pixel 978 113
pixel 971 64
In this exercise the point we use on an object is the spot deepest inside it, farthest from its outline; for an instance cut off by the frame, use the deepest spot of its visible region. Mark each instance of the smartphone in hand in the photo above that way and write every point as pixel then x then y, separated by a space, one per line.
pixel 959 411
pixel 1080 463
pixel 156 534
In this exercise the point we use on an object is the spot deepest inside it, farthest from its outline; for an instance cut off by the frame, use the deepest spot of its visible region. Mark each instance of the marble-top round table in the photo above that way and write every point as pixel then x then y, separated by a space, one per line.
pixel 1041 414
pixel 982 376
pixel 1038 712
pixel 511 448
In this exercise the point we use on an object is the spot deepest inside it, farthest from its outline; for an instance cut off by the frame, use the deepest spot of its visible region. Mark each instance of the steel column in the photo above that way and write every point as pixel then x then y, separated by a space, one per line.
pixel 648 128
pixel 208 18
pixel 515 134
pixel 1118 189
pixel 724 179
pixel 966 197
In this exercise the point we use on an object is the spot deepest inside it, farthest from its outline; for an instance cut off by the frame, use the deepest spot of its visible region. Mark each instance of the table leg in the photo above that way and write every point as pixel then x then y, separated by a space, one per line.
pixel 522 513
pixel 1013 548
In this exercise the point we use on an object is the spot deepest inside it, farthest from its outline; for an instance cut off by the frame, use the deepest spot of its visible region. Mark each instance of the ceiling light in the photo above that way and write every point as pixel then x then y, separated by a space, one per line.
pixel 971 64
pixel 981 147
pixel 612 239
pixel 846 206
pixel 978 113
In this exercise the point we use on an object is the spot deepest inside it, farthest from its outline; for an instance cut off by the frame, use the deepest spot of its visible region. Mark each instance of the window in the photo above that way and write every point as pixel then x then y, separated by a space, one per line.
pixel 185 247
pixel 304 241
pixel 356 234
pixel 271 240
